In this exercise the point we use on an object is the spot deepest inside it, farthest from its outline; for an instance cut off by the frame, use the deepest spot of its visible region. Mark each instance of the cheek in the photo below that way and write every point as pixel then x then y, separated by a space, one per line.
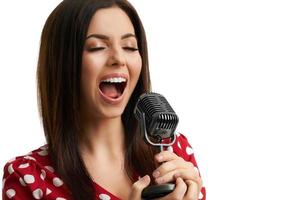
pixel 135 69
pixel 89 71
pixel 91 64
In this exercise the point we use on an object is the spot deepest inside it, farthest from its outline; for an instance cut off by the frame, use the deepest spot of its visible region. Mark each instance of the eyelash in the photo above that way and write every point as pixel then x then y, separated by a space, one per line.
pixel 130 48
pixel 102 48
pixel 96 49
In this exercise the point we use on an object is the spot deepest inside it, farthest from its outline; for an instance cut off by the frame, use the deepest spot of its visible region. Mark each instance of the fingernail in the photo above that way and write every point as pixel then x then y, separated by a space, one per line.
pixel 159 157
pixel 158 180
pixel 178 179
pixel 176 175
pixel 156 174
pixel 144 178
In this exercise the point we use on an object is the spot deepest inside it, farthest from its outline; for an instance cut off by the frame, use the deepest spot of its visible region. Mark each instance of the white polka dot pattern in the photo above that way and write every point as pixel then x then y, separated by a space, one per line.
pixel 43 153
pixel 44 147
pixel 200 195
pixel 104 197
pixel 35 173
pixel 10 169
pixel 22 182
pixel 3 183
pixel 22 166
pixel 43 175
pixel 30 158
pixel 49 168
pixel 29 179
pixel 178 144
pixel 48 191
pixel 37 194
pixel 170 149
pixel 57 182
pixel 189 150
pixel 10 193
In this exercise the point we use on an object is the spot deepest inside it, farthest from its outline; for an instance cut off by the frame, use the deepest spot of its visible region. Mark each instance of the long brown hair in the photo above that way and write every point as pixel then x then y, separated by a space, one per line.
pixel 58 79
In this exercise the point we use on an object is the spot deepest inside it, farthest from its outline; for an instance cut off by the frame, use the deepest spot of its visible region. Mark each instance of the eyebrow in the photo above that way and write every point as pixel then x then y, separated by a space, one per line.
pixel 105 37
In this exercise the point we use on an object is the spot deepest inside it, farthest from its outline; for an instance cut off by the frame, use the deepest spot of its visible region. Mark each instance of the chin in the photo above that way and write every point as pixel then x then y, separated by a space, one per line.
pixel 112 112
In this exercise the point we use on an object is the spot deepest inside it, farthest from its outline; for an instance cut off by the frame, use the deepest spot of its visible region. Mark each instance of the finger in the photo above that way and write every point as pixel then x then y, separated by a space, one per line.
pixel 168 177
pixel 192 190
pixel 189 175
pixel 185 174
pixel 138 186
pixel 165 156
pixel 178 192
pixel 169 166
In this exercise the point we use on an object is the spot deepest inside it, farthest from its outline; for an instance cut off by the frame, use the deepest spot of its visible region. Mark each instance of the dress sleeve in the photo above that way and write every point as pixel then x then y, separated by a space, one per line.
pixel 182 148
pixel 20 180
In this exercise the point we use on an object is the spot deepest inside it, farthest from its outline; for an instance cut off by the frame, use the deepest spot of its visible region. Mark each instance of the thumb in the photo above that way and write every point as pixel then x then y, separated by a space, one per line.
pixel 138 186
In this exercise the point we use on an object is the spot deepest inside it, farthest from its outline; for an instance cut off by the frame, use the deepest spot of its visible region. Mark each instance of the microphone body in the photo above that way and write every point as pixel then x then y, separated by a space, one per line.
pixel 157 121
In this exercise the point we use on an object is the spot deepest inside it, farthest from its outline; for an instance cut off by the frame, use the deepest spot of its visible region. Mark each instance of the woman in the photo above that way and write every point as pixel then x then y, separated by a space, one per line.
pixel 92 67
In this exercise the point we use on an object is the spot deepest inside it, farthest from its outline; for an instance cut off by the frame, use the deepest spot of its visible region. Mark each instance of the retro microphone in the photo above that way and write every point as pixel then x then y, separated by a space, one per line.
pixel 158 122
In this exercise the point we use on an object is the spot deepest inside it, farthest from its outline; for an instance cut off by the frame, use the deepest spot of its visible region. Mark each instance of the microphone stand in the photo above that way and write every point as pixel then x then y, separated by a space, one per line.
pixel 156 191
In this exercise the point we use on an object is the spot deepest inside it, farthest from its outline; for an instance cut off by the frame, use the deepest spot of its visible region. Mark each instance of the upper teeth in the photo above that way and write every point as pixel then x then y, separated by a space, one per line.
pixel 115 80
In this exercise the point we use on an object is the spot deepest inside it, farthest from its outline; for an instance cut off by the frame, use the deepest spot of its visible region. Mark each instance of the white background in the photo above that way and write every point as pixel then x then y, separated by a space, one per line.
pixel 230 69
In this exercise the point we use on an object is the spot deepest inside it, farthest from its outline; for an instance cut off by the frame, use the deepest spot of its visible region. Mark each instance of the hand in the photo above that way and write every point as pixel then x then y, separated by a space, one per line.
pixel 137 188
pixel 183 191
pixel 173 167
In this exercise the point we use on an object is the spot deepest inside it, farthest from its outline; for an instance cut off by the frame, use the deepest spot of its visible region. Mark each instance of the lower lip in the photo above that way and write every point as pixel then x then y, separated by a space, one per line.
pixel 112 101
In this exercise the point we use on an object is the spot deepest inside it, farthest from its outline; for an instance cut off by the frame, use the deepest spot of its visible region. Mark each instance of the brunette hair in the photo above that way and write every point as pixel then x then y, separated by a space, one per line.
pixel 58 80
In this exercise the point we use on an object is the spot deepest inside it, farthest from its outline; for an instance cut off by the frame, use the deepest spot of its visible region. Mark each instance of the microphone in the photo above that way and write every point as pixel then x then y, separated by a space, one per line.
pixel 158 122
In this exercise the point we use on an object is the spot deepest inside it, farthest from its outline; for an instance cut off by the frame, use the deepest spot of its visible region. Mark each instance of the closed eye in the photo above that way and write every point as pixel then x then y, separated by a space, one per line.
pixel 130 48
pixel 102 48
pixel 96 49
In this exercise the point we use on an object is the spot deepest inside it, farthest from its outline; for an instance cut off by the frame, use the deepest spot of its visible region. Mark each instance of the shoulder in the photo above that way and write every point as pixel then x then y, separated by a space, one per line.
pixel 33 161
pixel 30 175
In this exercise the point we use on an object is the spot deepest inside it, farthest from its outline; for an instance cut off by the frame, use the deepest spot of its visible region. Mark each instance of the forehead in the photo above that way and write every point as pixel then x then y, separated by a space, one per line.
pixel 110 21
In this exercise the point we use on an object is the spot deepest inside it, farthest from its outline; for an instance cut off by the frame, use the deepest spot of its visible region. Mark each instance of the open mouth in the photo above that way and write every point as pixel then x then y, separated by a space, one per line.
pixel 113 88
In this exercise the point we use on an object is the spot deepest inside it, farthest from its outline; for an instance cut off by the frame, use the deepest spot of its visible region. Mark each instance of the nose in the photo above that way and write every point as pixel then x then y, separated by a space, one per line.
pixel 116 57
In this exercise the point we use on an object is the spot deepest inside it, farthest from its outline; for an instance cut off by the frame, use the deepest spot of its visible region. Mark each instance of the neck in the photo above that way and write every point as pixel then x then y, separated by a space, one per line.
pixel 105 137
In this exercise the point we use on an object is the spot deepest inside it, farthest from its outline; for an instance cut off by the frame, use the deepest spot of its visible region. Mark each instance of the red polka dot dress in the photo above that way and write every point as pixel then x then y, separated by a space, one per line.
pixel 32 176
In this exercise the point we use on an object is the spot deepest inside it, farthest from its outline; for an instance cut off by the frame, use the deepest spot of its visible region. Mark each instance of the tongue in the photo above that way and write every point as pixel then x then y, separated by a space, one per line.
pixel 110 90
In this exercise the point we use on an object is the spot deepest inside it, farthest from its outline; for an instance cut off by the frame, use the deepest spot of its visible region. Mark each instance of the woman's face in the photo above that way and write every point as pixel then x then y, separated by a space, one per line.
pixel 111 64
